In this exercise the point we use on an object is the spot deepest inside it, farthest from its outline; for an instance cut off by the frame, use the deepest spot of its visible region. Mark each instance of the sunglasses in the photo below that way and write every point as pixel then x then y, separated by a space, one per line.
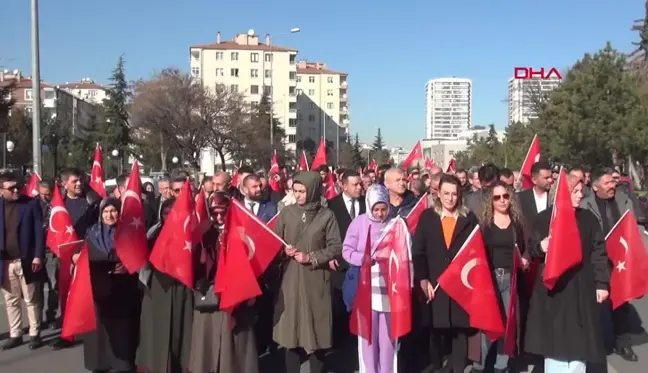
pixel 177 190
pixel 506 197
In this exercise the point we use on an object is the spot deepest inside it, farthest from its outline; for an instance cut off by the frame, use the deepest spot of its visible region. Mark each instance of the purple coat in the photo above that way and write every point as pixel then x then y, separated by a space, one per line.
pixel 355 240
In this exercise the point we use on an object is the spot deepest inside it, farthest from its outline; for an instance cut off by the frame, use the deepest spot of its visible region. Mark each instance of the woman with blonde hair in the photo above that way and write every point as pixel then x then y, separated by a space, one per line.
pixel 440 234
pixel 504 235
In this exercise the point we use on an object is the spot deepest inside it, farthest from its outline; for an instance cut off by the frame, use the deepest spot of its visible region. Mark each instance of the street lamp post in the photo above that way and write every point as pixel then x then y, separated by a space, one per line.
pixel 9 147
pixel 36 88
pixel 293 30
pixel 115 153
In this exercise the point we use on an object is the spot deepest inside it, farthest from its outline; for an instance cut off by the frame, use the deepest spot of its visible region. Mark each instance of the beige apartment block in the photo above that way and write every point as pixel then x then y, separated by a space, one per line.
pixel 252 66
pixel 322 103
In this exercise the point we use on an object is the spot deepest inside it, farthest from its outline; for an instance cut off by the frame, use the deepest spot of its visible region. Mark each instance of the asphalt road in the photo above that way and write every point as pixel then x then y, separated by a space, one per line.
pixel 44 360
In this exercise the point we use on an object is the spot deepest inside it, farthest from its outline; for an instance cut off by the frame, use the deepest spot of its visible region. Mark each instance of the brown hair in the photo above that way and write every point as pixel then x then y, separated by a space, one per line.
pixel 451 179
pixel 486 218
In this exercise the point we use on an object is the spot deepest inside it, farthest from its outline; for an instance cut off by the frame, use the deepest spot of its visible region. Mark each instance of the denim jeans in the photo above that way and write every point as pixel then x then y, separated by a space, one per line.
pixel 557 366
pixel 503 282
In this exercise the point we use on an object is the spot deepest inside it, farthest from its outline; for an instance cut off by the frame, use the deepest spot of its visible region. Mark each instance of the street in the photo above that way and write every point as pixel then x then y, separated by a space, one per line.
pixel 44 360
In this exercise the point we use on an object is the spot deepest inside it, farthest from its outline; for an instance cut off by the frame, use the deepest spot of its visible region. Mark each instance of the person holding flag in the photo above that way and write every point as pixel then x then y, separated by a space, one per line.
pixel 378 354
pixel 441 233
pixel 563 323
pixel 505 236
pixel 303 317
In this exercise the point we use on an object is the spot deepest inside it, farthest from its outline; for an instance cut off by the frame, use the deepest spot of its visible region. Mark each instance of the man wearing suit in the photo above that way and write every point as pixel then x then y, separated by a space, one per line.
pixel 345 206
pixel 608 205
pixel 22 253
pixel 264 209
pixel 488 175
pixel 535 200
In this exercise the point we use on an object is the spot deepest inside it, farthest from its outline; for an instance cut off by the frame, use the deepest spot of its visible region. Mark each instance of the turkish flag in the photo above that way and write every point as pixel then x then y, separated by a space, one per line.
pixel 329 186
pixel 97 173
pixel 415 214
pixel 272 222
pixel 452 166
pixel 414 155
pixel 360 323
pixel 274 163
pixel 627 253
pixel 320 156
pixel 564 251
pixel 173 250
pixel 303 163
pixel 533 156
pixel 429 164
pixel 79 316
pixel 373 166
pixel 61 230
pixel 130 235
pixel 250 247
pixel 31 188
pixel 394 258
pixel 66 251
pixel 511 336
pixel 202 212
pixel 468 281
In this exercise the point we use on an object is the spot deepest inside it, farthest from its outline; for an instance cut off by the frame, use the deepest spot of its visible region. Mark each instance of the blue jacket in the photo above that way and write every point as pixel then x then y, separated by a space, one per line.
pixel 267 210
pixel 31 236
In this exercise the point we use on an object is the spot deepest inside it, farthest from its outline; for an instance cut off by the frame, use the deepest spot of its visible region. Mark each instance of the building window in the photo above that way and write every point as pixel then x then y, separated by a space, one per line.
pixel 311 92
pixel 234 72
pixel 219 56
pixel 292 138
pixel 49 95
pixel 28 95
pixel 329 92
pixel 329 105
pixel 93 93
pixel 330 79
pixel 254 73
pixel 234 56
pixel 311 79
pixel 254 103
pixel 292 75
pixel 234 88
pixel 299 91
pixel 220 72
pixel 312 105
pixel 254 90
pixel 254 57
pixel 268 57
pixel 267 90
pixel 311 118
pixel 268 73
pixel 292 122
pixel 298 79
pixel 195 72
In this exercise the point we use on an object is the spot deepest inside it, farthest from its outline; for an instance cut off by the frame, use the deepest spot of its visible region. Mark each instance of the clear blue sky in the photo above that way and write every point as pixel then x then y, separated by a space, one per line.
pixel 389 48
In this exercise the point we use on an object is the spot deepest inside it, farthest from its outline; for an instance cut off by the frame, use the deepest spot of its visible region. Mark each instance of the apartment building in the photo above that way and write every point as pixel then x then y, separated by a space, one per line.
pixel 322 103
pixel 87 90
pixel 448 107
pixel 22 92
pixel 248 65
pixel 525 94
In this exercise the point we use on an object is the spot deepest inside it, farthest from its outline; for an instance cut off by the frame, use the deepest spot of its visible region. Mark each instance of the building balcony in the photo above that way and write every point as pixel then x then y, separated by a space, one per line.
pixel 292 97
pixel 344 85
pixel 344 97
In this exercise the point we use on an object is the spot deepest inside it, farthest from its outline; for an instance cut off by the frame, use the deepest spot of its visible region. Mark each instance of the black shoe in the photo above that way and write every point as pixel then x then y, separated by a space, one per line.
pixel 12 343
pixel 61 344
pixel 53 324
pixel 35 342
pixel 626 353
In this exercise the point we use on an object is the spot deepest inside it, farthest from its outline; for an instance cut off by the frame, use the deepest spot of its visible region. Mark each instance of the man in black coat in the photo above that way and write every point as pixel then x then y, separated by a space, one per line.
pixel 535 200
pixel 345 206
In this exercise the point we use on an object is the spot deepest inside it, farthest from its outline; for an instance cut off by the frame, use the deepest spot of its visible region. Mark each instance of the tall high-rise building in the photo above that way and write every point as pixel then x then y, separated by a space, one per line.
pixel 322 103
pixel 448 107
pixel 247 65
pixel 524 96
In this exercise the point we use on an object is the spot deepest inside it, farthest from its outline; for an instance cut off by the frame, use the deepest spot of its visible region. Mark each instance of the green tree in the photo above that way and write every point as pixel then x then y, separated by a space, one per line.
pixel 115 128
pixel 358 160
pixel 378 151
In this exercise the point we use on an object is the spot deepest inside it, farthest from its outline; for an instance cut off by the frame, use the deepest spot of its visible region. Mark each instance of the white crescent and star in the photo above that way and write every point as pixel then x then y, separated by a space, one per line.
pixel 249 242
pixel 98 178
pixel 393 259
pixel 136 222
pixel 621 266
pixel 465 272
pixel 537 158
pixel 188 244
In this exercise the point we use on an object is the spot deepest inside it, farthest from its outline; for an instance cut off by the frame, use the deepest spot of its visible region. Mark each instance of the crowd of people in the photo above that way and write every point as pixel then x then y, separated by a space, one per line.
pixel 148 321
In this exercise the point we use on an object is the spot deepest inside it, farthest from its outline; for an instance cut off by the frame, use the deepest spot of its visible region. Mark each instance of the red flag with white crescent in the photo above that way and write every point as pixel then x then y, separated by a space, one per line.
pixel 79 317
pixel 31 188
pixel 130 235
pixel 533 156
pixel 61 229
pixel 414 155
pixel 97 173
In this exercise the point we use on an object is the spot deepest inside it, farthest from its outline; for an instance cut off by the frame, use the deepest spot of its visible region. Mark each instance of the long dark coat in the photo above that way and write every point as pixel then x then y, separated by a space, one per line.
pixel 431 257
pixel 117 298
pixel 165 325
pixel 564 323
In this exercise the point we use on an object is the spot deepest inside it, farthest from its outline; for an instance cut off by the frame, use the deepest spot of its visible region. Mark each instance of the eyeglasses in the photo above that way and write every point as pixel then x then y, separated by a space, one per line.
pixel 506 197
pixel 12 188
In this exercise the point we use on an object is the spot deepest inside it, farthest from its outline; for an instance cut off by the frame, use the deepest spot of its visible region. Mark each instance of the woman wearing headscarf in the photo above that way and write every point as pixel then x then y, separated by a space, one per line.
pixel 166 317
pixel 564 323
pixel 111 347
pixel 220 344
pixel 303 316
pixel 379 354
